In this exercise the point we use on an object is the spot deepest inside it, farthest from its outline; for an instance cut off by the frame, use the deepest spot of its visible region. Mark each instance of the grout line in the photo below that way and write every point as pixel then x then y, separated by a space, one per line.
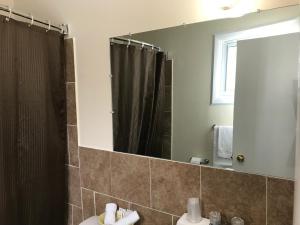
pixel 68 142
pixel 81 209
pixel 107 195
pixel 200 171
pixel 94 196
pixel 110 173
pixel 80 179
pixel 73 166
pixel 150 182
pixel 156 210
pixel 72 215
pixel 87 189
pixel 81 200
pixel 71 125
pixel 70 204
pixel 266 200
pixel 78 148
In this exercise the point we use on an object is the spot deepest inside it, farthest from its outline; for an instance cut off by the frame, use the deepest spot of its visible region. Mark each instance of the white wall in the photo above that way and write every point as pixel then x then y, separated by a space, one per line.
pixel 7 2
pixel 93 22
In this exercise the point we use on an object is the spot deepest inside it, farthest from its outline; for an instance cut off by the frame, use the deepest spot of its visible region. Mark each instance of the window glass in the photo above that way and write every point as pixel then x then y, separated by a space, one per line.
pixel 230 69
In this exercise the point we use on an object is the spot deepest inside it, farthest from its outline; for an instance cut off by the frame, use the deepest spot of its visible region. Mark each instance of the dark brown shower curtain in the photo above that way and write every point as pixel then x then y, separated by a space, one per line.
pixel 32 126
pixel 138 92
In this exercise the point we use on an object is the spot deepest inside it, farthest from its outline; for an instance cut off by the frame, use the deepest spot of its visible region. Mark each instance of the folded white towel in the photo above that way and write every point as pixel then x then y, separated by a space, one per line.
pixel 224 143
pixel 110 213
pixel 129 219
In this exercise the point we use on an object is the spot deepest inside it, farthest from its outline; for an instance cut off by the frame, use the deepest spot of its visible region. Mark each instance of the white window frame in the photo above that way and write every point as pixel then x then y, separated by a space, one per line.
pixel 221 41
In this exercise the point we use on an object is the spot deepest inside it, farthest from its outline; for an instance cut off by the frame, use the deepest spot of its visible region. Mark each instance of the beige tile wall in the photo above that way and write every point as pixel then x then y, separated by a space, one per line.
pixel 74 182
pixel 158 189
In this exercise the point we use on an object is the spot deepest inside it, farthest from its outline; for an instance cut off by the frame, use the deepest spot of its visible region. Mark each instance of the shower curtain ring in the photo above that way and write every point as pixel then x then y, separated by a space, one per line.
pixel 129 42
pixel 31 22
pixel 9 15
pixel 62 29
pixel 49 26
pixel 143 45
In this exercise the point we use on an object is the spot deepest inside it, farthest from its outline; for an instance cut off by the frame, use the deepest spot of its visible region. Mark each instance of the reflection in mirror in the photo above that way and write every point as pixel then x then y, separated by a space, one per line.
pixel 221 93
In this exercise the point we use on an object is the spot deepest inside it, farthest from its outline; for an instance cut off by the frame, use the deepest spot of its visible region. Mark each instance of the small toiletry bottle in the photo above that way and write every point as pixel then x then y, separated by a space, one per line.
pixel 237 221
pixel 215 218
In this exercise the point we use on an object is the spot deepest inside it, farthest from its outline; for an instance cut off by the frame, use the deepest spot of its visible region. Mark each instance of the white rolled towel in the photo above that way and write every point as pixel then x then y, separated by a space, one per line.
pixel 130 219
pixel 110 213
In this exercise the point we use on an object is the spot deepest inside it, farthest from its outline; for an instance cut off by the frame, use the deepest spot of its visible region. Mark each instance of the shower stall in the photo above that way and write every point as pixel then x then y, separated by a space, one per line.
pixel 33 136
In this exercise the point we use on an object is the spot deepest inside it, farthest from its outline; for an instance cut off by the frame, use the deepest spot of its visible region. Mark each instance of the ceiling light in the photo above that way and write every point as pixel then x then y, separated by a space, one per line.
pixel 227 4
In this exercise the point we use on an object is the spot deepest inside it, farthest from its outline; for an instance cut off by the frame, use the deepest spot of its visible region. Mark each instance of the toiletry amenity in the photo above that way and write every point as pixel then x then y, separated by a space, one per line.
pixel 121 212
pixel 110 213
pixel 122 217
pixel 184 221
pixel 127 212
pixel 132 218
pixel 215 218
pixel 193 210
pixel 237 221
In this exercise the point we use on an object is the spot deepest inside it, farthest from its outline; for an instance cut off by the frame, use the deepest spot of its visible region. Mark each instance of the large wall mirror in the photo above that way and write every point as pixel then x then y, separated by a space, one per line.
pixel 219 93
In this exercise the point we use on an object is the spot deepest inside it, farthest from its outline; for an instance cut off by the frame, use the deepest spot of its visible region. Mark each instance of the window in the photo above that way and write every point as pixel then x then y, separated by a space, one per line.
pixel 229 83
pixel 224 83
pixel 225 56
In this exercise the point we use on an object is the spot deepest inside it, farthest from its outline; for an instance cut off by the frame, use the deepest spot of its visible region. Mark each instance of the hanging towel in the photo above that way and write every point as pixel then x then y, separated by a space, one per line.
pixel 224 144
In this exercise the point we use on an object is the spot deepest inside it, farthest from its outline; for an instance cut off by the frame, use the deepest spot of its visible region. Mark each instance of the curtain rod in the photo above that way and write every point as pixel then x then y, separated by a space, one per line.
pixel 129 41
pixel 63 28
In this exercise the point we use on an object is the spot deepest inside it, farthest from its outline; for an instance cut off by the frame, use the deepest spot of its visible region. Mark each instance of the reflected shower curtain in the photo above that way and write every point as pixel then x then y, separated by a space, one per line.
pixel 138 92
pixel 32 126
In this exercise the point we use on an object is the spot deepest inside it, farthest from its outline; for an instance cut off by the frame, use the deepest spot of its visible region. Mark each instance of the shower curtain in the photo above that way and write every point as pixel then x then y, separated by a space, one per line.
pixel 138 92
pixel 32 126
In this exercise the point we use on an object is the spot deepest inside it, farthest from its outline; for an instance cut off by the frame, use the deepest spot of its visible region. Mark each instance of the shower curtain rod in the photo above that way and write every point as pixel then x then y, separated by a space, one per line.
pixel 129 41
pixel 63 28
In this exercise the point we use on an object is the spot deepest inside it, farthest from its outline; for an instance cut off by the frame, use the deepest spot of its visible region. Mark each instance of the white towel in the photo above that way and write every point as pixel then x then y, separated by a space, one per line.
pixel 129 219
pixel 110 213
pixel 224 143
